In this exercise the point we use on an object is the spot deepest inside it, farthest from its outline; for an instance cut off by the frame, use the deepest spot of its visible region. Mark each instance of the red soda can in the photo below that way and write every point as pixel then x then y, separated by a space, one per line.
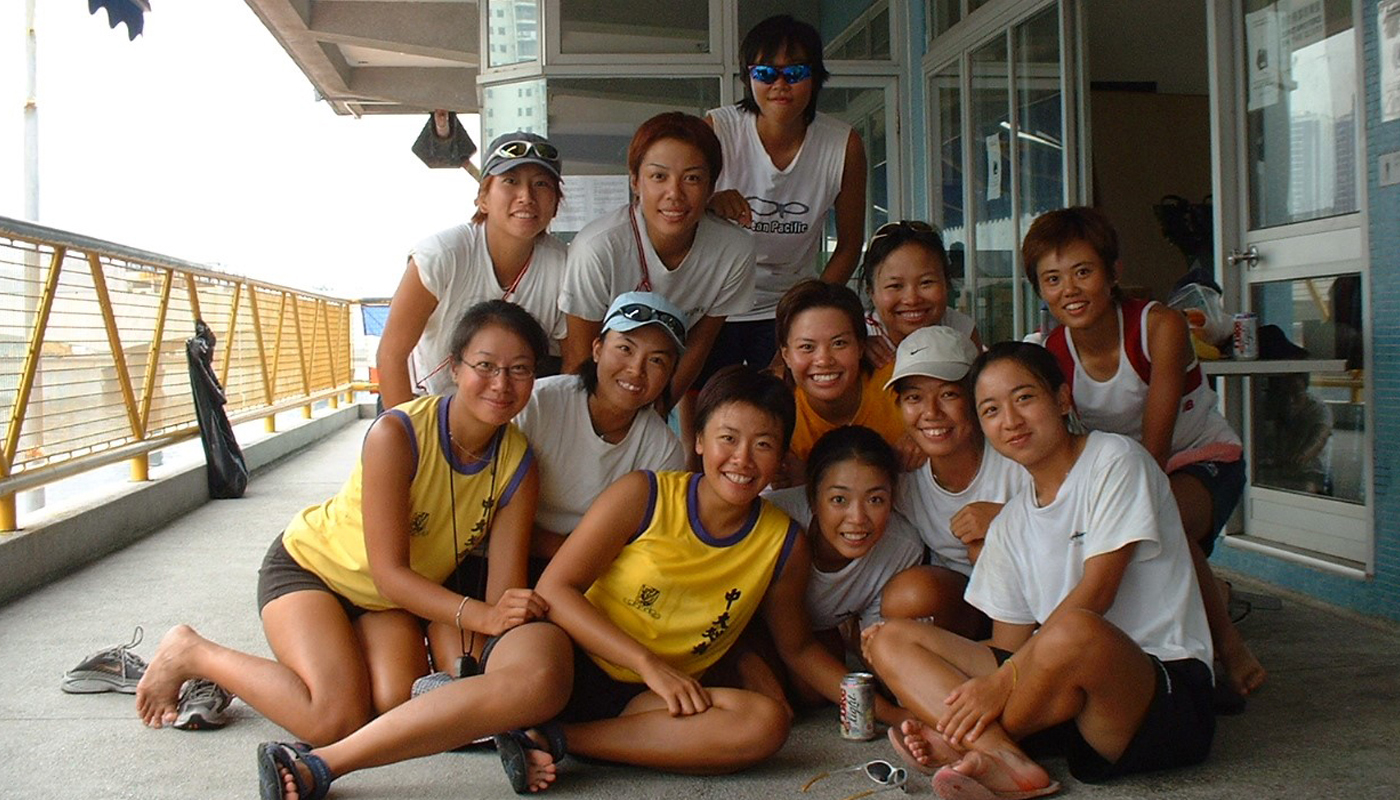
pixel 858 707
pixel 1246 336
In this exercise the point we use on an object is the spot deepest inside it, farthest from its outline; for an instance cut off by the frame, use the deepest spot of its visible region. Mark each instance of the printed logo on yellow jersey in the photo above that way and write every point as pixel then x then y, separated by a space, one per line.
pixel 646 598
pixel 418 525
pixel 719 626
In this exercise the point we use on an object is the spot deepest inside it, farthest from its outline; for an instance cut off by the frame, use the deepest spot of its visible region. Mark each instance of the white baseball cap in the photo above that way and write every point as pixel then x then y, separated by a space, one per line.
pixel 934 352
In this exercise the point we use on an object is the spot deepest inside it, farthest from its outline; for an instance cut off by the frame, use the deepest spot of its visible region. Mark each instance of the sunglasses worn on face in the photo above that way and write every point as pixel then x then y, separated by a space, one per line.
pixel 882 772
pixel 521 149
pixel 793 73
pixel 641 313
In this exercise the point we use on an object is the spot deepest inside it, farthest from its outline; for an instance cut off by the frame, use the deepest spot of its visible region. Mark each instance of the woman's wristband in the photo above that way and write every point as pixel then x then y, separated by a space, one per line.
pixel 461 606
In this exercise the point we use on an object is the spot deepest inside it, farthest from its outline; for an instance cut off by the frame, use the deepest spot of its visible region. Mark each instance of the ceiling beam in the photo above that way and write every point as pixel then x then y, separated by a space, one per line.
pixel 437 30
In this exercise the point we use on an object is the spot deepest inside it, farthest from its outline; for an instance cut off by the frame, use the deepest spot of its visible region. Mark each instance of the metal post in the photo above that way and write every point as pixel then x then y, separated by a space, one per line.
pixel 33 499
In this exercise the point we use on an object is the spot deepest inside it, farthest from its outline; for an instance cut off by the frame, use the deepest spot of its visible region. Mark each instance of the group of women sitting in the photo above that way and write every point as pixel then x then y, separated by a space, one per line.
pixel 527 559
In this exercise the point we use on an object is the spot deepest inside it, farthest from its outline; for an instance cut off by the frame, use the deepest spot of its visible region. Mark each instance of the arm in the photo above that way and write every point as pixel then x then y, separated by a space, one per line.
pixel 1169 348
pixel 578 346
pixel 850 215
pixel 728 203
pixel 409 311
pixel 785 611
pixel 970 525
pixel 586 554
pixel 388 465
pixel 980 701
pixel 1098 588
pixel 697 348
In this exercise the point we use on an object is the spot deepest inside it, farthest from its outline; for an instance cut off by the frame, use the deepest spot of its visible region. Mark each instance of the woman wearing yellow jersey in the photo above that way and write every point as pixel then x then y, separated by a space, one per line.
pixel 346 589
pixel 660 578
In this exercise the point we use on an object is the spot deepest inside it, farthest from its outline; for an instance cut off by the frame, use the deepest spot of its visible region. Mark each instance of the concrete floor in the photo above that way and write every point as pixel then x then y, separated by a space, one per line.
pixel 1326 725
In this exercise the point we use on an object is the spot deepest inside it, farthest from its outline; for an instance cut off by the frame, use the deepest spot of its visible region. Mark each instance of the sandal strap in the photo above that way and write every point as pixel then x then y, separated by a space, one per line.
pixel 558 744
pixel 287 755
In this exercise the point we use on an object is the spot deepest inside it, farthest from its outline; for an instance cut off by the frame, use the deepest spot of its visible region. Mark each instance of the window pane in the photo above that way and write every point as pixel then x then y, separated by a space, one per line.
pixel 945 98
pixel 1301 93
pixel 994 241
pixel 1309 427
pixel 633 26
pixel 514 33
pixel 863 110
pixel 857 30
pixel 942 15
pixel 1040 131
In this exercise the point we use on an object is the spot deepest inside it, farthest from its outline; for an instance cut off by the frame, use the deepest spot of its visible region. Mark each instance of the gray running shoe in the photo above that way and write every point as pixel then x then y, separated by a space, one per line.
pixel 115 669
pixel 202 705
pixel 429 682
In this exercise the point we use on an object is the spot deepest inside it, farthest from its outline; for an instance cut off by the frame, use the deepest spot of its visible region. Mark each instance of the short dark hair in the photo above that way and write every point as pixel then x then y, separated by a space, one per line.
pixel 811 293
pixel 507 315
pixel 783 32
pixel 588 374
pixel 682 127
pixel 849 443
pixel 890 238
pixel 1053 231
pixel 1037 360
pixel 740 383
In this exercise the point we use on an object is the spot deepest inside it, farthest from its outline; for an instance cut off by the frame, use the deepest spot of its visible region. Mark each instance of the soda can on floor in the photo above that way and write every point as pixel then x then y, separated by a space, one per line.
pixel 1246 337
pixel 858 707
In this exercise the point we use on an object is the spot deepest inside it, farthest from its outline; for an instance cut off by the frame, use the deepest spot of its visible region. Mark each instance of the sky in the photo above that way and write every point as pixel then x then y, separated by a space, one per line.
pixel 202 140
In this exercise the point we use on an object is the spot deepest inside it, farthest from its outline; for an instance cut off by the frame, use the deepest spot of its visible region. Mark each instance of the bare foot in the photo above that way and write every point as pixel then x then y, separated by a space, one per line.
pixel 1243 671
pixel 925 745
pixel 541 769
pixel 158 693
pixel 1005 771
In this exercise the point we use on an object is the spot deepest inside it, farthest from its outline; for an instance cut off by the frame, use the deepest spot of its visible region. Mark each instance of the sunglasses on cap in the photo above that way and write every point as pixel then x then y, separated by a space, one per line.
pixel 882 772
pixel 793 73
pixel 638 312
pixel 519 148
pixel 910 225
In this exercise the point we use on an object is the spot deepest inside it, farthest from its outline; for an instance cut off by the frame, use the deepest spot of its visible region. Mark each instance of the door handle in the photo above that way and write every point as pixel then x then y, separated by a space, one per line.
pixel 1249 257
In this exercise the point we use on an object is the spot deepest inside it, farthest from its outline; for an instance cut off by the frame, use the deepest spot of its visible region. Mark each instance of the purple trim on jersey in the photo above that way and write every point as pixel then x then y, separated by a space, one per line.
pixel 412 437
pixel 520 470
pixel 445 442
pixel 788 543
pixel 692 510
pixel 651 506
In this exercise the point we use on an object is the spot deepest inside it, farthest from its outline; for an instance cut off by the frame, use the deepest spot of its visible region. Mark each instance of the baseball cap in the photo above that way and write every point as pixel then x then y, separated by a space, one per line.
pixel 632 310
pixel 510 150
pixel 933 352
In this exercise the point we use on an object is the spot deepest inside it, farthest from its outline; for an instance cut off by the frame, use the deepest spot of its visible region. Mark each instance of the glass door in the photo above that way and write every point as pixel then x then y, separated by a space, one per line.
pixel 1300 265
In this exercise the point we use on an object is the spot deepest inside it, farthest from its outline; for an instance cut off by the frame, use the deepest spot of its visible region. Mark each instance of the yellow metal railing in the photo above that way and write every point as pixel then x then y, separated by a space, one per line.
pixel 92 361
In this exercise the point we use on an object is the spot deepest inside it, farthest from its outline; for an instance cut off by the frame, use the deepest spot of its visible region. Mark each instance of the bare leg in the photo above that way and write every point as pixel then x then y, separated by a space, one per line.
pixel 317 688
pixel 1242 668
pixel 394 653
pixel 741 729
pixel 929 592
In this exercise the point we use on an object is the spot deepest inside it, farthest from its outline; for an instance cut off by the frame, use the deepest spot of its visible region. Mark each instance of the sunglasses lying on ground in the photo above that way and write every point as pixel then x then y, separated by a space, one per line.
pixel 882 772
pixel 793 73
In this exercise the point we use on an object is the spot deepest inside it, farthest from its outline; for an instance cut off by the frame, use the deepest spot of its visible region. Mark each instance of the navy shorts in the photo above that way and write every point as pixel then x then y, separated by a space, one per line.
pixel 753 343
pixel 1225 480
pixel 596 694
pixel 280 575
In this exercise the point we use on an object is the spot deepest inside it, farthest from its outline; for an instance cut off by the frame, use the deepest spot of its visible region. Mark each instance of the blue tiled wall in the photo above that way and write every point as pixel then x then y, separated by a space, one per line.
pixel 1381 595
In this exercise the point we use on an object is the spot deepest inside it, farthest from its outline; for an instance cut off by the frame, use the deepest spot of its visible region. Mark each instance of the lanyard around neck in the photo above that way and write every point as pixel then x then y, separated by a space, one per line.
pixel 644 285
pixel 515 284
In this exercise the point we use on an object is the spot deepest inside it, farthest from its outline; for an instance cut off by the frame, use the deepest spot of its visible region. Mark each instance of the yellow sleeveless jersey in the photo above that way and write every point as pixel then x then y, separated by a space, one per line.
pixel 681 592
pixel 329 539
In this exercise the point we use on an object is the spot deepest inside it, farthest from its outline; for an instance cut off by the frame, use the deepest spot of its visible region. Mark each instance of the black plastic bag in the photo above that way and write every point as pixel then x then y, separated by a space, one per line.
pixel 225 467
pixel 451 151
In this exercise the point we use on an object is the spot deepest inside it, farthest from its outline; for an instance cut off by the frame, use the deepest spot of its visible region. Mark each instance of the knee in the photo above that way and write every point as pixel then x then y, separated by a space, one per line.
pixel 922 592
pixel 1074 636
pixel 888 647
pixel 766 726
pixel 335 724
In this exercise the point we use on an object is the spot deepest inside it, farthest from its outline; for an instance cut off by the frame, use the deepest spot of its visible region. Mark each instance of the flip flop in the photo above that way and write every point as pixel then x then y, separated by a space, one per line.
pixel 272 755
pixel 896 737
pixel 950 784
pixel 512 745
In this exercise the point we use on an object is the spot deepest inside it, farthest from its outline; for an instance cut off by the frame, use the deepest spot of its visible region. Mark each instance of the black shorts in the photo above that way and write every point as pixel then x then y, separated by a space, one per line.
pixel 596 694
pixel 1225 480
pixel 753 343
pixel 280 575
pixel 1177 731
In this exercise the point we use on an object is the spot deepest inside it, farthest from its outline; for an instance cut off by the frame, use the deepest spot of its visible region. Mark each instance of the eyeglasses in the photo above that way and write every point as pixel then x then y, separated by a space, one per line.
pixel 792 73
pixel 644 313
pixel 516 372
pixel 519 148
pixel 882 772
pixel 910 225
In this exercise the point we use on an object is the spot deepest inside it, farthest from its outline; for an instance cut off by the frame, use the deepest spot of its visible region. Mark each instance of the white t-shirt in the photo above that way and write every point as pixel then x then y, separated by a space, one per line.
pixel 789 205
pixel 575 464
pixel 854 590
pixel 715 279
pixel 1114 495
pixel 929 508
pixel 455 267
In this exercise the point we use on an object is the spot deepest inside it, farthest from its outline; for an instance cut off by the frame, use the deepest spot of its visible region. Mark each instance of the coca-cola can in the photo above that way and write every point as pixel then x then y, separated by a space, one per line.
pixel 1246 336
pixel 858 707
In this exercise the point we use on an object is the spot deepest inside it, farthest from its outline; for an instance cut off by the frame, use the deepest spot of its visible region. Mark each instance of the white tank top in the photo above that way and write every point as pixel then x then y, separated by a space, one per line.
pixel 789 205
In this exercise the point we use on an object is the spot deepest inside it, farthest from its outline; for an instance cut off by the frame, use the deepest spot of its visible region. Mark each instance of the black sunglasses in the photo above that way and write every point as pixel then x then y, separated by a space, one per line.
pixel 638 312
